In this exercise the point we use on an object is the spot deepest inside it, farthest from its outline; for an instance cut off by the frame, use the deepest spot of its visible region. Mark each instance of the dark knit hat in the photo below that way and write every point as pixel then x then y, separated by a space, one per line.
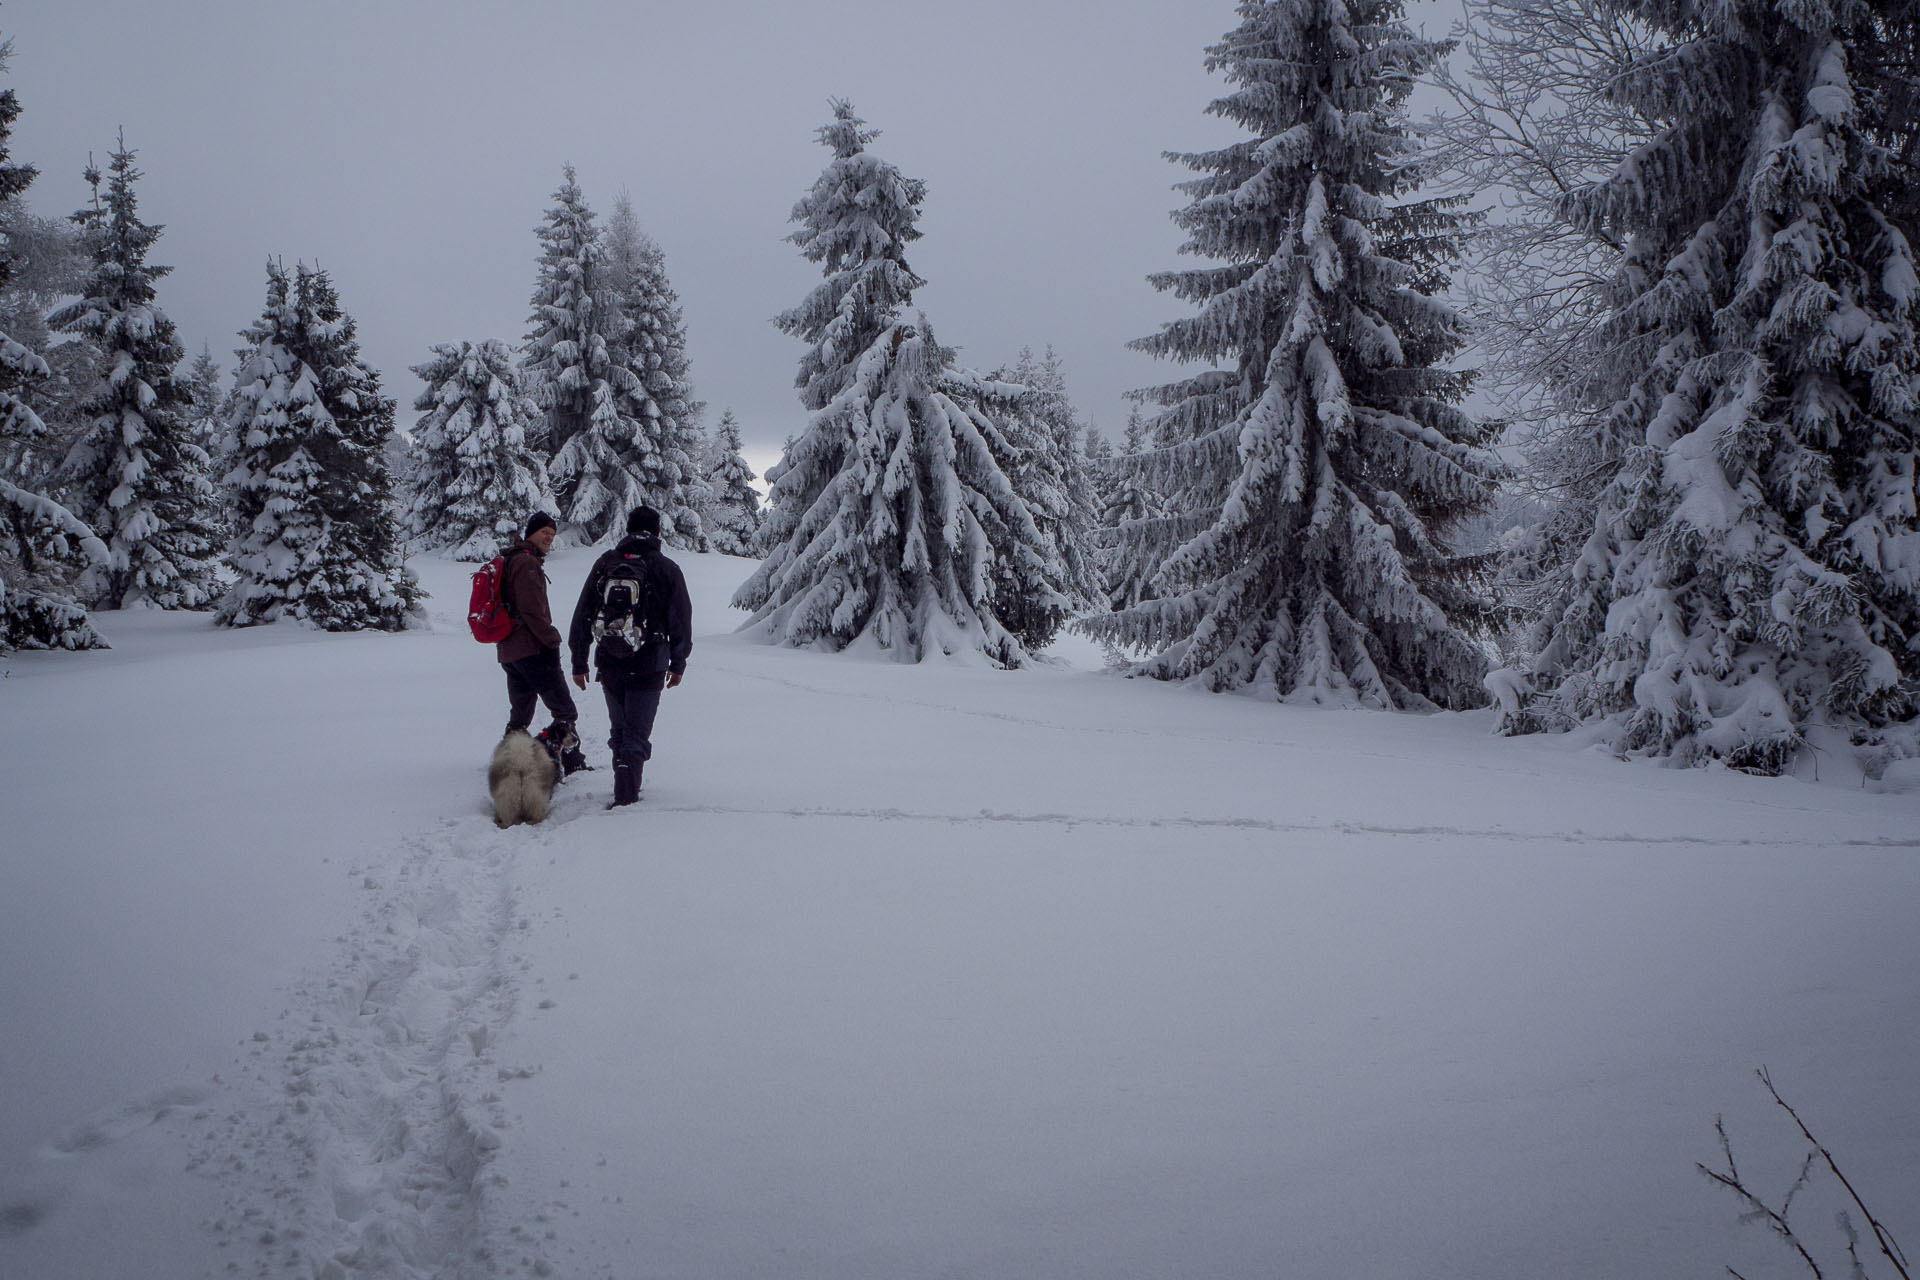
pixel 536 522
pixel 643 520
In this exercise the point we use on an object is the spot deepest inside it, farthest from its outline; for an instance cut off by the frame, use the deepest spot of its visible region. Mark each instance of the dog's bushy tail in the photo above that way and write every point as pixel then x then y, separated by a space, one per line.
pixel 521 779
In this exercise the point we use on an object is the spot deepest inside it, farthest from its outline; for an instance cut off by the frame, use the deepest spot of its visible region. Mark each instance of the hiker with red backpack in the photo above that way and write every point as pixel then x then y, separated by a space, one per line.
pixel 530 651
pixel 635 616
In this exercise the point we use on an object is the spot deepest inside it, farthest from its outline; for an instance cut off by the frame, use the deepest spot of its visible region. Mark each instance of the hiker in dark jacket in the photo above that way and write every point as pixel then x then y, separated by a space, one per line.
pixel 531 652
pixel 633 678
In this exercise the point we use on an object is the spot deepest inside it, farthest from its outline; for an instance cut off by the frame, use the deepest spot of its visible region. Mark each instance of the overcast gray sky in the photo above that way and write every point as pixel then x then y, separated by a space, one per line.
pixel 411 146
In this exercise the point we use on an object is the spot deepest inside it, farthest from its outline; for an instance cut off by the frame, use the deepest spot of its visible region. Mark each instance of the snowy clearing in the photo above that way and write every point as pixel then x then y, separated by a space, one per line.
pixel 930 971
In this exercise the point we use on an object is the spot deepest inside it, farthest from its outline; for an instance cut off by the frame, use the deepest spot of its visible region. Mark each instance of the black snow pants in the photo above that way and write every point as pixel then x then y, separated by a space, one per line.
pixel 538 677
pixel 631 706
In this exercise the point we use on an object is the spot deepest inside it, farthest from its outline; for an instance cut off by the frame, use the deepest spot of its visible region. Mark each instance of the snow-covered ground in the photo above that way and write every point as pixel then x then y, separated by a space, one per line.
pixel 905 972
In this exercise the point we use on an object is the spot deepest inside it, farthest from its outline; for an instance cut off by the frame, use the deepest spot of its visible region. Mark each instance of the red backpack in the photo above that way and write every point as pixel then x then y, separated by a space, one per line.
pixel 487 614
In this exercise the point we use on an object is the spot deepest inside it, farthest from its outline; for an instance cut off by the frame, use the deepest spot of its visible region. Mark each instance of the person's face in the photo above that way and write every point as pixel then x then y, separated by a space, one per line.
pixel 543 539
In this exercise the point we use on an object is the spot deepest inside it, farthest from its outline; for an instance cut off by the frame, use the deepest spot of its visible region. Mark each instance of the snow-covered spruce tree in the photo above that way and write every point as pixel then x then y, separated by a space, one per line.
pixel 856 222
pixel 890 516
pixel 51 262
pixel 1127 563
pixel 603 425
pixel 1752 575
pixel 563 361
pixel 1021 447
pixel 733 507
pixel 136 475
pixel 1053 476
pixel 205 396
pixel 648 339
pixel 1098 451
pixel 208 424
pixel 1312 483
pixel 309 482
pixel 41 541
pixel 471 479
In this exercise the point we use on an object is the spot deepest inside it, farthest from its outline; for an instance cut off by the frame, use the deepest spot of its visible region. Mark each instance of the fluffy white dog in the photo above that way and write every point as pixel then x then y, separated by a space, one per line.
pixel 521 778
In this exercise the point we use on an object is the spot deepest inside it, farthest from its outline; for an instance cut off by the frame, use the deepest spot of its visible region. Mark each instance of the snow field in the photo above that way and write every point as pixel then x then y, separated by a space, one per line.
pixel 902 972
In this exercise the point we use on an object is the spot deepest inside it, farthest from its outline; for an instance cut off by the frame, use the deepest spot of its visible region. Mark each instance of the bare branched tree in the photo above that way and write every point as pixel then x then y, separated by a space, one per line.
pixel 1777 1219
pixel 1530 122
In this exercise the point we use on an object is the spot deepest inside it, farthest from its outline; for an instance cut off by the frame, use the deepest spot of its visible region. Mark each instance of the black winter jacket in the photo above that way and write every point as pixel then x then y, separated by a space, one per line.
pixel 667 595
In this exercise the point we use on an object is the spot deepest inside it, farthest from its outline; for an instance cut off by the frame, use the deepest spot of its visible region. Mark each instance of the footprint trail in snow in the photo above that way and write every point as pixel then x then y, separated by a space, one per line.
pixel 363 1139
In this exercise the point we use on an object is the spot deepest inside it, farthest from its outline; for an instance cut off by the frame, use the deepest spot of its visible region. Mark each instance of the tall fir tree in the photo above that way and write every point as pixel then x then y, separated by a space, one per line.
pixel 1098 451
pixel 733 507
pixel 1751 575
pixel 1127 565
pixel 1313 481
pixel 648 340
pixel 1055 478
pixel 1099 454
pixel 471 479
pixel 856 222
pixel 599 374
pixel 41 542
pixel 204 394
pixel 891 521
pixel 310 482
pixel 564 357
pixel 136 474
pixel 51 262
pixel 208 425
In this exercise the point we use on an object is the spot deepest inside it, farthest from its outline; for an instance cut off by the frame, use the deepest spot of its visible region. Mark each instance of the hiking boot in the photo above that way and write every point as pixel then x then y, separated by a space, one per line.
pixel 626 783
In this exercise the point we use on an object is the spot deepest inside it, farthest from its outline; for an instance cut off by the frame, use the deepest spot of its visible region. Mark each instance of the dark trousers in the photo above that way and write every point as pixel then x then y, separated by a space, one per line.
pixel 631 707
pixel 537 677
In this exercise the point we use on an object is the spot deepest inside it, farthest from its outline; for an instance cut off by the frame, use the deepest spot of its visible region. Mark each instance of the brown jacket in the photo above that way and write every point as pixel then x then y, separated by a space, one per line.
pixel 524 588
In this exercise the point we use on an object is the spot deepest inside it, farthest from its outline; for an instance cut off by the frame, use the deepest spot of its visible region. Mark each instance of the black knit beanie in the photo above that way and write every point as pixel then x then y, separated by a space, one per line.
pixel 536 522
pixel 643 521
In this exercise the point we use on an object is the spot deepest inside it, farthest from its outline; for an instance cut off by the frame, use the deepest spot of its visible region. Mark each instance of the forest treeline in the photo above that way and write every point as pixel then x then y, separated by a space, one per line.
pixel 1669 244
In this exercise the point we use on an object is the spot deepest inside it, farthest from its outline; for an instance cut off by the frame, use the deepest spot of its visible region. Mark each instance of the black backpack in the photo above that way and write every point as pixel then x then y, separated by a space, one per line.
pixel 628 618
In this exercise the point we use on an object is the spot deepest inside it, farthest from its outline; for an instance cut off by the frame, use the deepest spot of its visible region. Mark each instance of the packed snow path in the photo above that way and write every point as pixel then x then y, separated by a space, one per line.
pixel 903 972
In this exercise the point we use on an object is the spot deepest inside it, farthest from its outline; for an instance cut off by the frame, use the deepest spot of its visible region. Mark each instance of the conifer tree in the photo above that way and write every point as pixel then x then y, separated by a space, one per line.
pixel 472 480
pixel 733 511
pixel 1098 451
pixel 1063 495
pixel 208 426
pixel 891 520
pixel 203 392
pixel 613 387
pixel 136 474
pixel 49 263
pixel 1128 567
pixel 564 358
pixel 310 481
pixel 648 340
pixel 856 223
pixel 1312 482
pixel 40 540
pixel 1752 571
pixel 1030 590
